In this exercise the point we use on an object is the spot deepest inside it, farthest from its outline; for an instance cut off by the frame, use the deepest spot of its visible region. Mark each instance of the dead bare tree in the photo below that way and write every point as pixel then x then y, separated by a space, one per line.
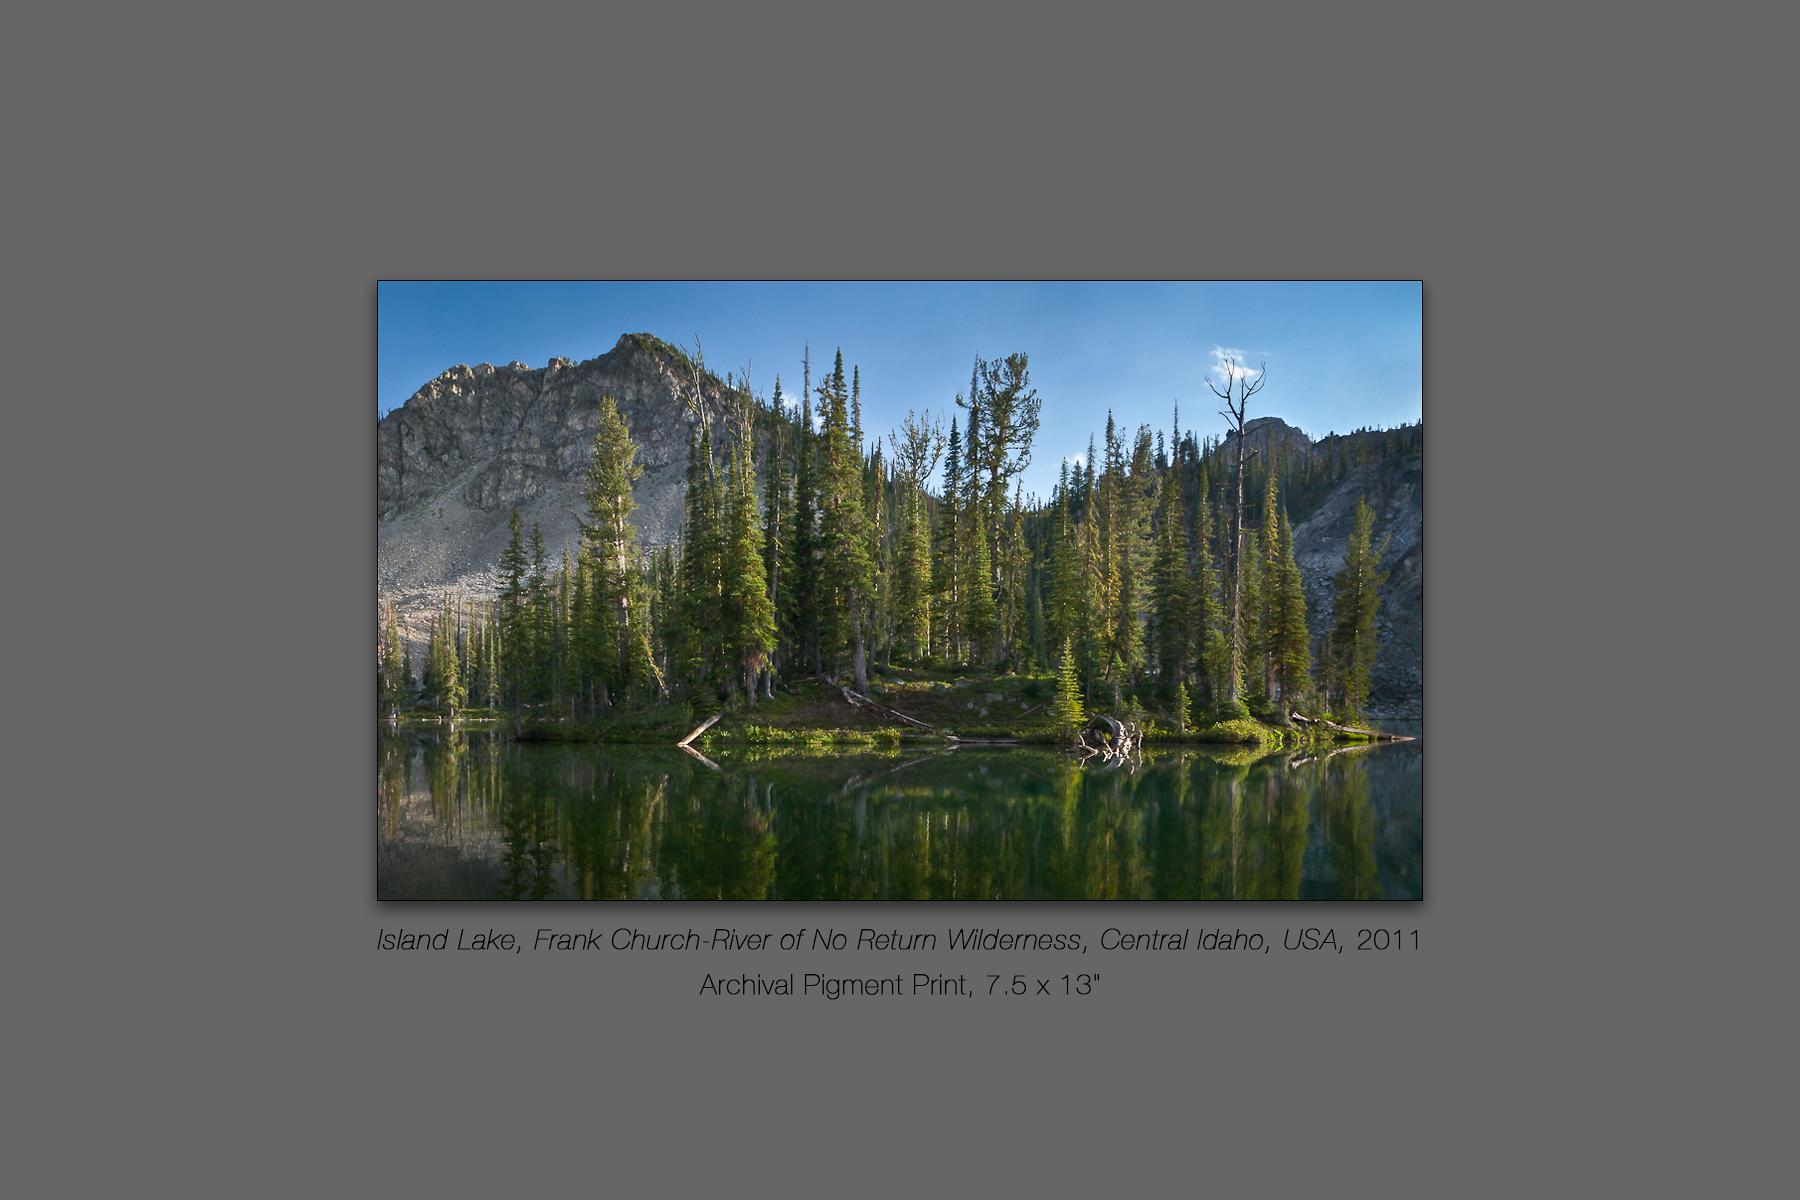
pixel 1240 385
pixel 691 390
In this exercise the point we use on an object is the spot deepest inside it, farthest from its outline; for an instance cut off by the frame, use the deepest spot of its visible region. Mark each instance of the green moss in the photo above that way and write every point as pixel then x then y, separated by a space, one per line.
pixel 1238 731
pixel 1246 731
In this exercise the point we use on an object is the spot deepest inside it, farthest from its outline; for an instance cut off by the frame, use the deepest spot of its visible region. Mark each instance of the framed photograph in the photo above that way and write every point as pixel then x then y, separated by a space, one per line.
pixel 912 591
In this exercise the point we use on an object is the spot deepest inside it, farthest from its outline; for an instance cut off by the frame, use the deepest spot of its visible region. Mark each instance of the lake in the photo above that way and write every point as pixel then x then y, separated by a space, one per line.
pixel 468 815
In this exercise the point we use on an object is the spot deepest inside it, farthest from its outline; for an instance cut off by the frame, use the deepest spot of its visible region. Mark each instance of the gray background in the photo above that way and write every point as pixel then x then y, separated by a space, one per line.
pixel 201 208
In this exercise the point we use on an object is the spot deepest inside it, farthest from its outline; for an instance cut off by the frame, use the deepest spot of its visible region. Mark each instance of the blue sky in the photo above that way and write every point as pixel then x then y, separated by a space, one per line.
pixel 1339 355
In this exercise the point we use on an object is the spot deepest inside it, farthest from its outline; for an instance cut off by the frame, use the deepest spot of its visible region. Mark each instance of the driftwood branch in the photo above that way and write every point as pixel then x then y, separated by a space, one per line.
pixel 860 701
pixel 1111 741
pixel 1377 734
pixel 704 726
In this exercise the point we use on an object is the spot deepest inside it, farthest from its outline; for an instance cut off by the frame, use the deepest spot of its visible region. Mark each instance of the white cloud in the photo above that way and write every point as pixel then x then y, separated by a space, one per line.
pixel 1229 365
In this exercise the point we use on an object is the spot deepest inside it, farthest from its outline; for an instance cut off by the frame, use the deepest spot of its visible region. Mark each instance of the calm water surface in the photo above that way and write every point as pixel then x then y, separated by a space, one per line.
pixel 467 815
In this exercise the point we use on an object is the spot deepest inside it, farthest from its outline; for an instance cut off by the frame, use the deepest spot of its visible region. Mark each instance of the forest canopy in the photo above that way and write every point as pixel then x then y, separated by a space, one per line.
pixel 1160 567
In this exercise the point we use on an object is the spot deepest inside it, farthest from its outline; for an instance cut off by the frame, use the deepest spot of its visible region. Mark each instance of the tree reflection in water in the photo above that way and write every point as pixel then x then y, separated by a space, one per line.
pixel 467 815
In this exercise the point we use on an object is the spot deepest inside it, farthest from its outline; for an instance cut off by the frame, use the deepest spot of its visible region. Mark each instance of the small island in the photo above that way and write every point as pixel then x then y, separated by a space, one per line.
pixel 819 593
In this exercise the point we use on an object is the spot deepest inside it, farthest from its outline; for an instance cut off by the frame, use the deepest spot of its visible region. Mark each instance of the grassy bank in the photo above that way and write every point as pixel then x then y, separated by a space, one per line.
pixel 814 713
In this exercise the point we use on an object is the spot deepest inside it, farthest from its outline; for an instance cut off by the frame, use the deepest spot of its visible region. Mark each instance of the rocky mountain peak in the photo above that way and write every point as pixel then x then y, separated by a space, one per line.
pixel 1260 431
pixel 476 441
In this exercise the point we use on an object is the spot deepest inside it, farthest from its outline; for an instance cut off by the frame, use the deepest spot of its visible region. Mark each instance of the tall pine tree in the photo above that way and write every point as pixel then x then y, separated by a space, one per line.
pixel 749 617
pixel 393 683
pixel 803 593
pixel 513 631
pixel 1292 642
pixel 945 569
pixel 847 572
pixel 617 632
pixel 774 524
pixel 1357 602
pixel 917 446
pixel 1171 593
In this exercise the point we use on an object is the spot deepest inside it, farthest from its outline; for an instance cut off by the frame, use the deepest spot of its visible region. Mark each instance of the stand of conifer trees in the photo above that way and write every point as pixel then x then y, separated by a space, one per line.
pixel 806 550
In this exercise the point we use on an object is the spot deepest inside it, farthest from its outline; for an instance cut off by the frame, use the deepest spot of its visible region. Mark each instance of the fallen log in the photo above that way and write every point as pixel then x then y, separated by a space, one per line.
pixel 859 701
pixel 704 726
pixel 1377 734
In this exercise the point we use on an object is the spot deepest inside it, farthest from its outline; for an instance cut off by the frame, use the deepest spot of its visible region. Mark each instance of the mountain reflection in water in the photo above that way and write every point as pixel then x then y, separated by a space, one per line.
pixel 467 815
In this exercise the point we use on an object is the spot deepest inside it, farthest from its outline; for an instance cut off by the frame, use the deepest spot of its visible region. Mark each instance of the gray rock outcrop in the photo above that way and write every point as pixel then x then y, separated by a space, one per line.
pixel 1260 432
pixel 454 460
pixel 1395 489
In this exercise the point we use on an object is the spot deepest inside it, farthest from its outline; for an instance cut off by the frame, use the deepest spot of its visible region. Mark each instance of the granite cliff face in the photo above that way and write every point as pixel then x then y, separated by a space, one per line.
pixel 455 459
pixel 1396 491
